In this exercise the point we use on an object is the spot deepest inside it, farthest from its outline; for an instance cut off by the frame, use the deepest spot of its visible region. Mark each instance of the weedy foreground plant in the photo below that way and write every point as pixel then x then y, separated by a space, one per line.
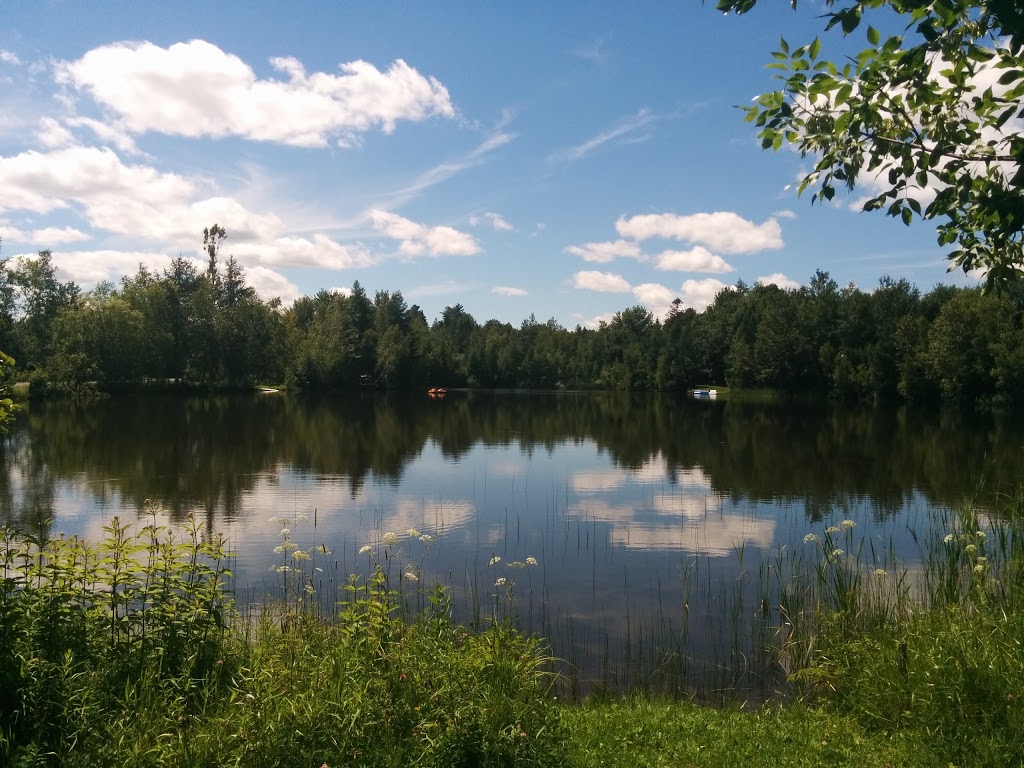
pixel 940 652
pixel 129 652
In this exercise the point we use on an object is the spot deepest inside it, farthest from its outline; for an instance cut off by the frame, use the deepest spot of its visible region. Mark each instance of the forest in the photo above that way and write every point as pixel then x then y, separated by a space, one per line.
pixel 208 327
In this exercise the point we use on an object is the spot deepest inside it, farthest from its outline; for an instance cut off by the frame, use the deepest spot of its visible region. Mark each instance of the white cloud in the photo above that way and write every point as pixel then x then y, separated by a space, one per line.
pixel 140 202
pixel 504 290
pixel 44 238
pixel 270 284
pixel 656 297
pixel 90 267
pixel 53 135
pixel 112 133
pixel 595 322
pixel 9 57
pixel 340 289
pixel 697 259
pixel 196 89
pixel 317 251
pixel 416 239
pixel 600 281
pixel 495 220
pixel 722 231
pixel 778 279
pixel 629 125
pixel 602 253
pixel 698 294
pixel 784 214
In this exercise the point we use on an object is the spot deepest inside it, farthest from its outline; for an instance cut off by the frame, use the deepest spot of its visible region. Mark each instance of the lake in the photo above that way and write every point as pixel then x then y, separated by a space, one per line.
pixel 655 521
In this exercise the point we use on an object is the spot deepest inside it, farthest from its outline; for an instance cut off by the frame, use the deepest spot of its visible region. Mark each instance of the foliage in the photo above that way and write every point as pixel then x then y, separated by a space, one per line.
pixel 929 120
pixel 7 405
pixel 944 658
pixel 128 652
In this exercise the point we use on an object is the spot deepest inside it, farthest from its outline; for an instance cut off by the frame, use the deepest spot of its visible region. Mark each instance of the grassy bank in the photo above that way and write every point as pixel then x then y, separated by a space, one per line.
pixel 130 652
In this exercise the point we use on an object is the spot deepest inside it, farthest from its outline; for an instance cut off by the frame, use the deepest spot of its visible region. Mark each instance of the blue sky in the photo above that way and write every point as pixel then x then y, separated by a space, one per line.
pixel 566 160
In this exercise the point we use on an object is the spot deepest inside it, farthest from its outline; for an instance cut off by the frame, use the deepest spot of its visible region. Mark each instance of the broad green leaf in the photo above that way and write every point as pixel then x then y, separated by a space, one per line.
pixel 873 36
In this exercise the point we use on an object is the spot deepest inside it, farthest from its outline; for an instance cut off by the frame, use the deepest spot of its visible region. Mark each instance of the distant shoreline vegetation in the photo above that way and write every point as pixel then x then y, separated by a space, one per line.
pixel 207 330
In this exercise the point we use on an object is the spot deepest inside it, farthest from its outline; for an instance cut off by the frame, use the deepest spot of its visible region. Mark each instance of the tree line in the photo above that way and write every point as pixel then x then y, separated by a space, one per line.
pixel 209 327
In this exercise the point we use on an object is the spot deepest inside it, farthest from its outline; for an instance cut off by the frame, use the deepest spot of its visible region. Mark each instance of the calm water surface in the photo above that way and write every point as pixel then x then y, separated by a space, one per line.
pixel 652 519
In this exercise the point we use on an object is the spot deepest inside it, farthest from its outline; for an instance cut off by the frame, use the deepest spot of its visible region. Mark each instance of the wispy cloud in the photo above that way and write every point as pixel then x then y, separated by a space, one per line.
pixel 494 220
pixel 625 130
pixel 594 52
pixel 444 171
pixel 504 290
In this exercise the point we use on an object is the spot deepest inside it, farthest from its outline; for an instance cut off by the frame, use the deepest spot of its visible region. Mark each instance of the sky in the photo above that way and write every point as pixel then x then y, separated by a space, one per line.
pixel 564 160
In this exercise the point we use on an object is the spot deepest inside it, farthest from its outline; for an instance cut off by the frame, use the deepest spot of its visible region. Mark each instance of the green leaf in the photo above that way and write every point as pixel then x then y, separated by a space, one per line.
pixel 907 215
pixel 814 49
pixel 873 36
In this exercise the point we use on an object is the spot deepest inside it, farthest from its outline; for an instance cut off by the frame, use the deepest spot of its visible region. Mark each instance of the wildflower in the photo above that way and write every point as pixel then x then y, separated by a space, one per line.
pixel 308 589
pixel 283 569
pixel 948 539
pixel 298 554
pixel 289 545
pixel 516 564
pixel 880 572
pixel 847 524
pixel 324 550
pixel 278 550
pixel 365 548
pixel 979 569
pixel 970 549
pixel 302 519
pixel 531 561
pixel 809 538
pixel 831 529
pixel 426 538
pixel 837 553
pixel 411 576
pixel 501 582
pixel 980 535
pixel 494 560
pixel 412 533
pixel 277 520
pixel 389 539
pixel 286 531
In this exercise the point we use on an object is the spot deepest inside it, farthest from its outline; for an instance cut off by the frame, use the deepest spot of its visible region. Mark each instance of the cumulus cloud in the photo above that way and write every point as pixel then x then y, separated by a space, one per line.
pixel 44 238
pixel 722 231
pixel 602 253
pixel 9 57
pixel 779 279
pixel 494 220
pixel 138 201
pixel 697 259
pixel 657 298
pixel 195 89
pixel 605 282
pixel 698 294
pixel 52 135
pixel 90 267
pixel 416 239
pixel 316 251
pixel 504 290
pixel 270 284
pixel 595 322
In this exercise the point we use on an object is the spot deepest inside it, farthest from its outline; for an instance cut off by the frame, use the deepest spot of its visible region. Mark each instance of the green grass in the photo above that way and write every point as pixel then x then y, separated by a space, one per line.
pixel 644 733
